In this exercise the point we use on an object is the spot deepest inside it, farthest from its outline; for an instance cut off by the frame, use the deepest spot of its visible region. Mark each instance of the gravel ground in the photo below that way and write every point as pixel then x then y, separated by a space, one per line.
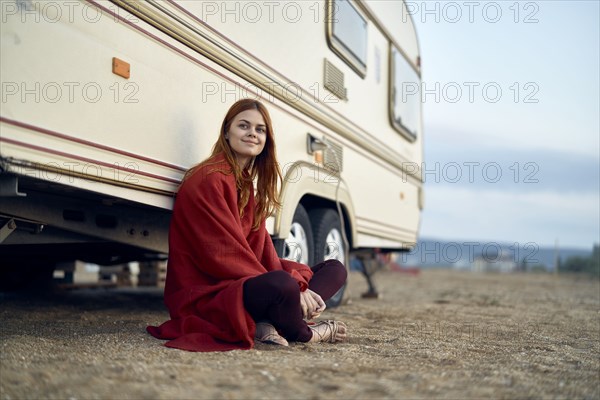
pixel 442 334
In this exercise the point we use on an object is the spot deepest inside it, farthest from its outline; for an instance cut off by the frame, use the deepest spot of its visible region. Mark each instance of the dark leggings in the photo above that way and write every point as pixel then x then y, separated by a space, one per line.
pixel 275 297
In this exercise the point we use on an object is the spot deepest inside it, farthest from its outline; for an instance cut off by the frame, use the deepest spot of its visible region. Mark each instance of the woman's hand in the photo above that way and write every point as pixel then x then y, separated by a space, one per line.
pixel 312 304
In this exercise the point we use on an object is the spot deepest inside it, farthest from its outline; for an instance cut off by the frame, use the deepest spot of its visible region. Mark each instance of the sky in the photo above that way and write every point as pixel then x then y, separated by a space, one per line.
pixel 511 121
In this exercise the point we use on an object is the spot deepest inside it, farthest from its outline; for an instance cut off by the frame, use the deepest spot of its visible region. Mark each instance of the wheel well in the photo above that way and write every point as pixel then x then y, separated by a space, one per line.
pixel 311 202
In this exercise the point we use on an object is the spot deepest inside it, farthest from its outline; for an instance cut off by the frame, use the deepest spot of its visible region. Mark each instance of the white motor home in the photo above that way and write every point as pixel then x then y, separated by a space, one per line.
pixel 105 104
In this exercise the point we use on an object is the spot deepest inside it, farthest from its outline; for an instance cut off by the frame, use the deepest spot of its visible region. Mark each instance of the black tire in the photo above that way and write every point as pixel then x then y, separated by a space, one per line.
pixel 303 249
pixel 325 221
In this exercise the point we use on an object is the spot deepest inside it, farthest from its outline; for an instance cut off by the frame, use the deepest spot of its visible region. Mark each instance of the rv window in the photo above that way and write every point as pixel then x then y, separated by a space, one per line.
pixel 347 34
pixel 405 96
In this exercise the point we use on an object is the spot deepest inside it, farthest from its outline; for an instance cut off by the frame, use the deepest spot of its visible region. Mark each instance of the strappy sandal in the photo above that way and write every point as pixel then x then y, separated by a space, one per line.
pixel 266 333
pixel 330 333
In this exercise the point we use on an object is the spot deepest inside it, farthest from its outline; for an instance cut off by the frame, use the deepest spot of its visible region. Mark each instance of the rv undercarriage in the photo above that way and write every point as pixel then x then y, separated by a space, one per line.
pixel 44 223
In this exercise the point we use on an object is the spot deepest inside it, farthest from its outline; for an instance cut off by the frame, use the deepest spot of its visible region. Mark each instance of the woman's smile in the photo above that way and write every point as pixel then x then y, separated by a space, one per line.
pixel 247 136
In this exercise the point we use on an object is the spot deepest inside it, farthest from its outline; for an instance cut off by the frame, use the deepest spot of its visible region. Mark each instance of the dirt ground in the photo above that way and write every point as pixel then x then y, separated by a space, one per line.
pixel 441 334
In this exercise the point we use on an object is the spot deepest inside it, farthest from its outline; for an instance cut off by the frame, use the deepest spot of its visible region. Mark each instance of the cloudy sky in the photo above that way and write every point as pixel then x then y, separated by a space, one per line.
pixel 511 114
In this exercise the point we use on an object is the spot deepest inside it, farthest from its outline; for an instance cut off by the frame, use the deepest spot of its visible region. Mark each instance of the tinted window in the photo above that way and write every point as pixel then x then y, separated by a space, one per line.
pixel 349 34
pixel 406 95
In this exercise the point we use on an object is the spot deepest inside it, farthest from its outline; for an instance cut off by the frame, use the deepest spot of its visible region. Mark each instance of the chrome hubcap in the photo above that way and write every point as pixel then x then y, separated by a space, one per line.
pixel 296 245
pixel 334 246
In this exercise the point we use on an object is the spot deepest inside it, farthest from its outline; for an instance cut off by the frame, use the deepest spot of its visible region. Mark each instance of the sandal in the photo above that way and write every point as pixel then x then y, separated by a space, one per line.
pixel 266 333
pixel 330 332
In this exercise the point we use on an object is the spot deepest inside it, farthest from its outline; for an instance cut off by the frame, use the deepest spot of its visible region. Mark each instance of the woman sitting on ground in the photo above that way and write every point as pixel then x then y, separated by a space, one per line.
pixel 226 285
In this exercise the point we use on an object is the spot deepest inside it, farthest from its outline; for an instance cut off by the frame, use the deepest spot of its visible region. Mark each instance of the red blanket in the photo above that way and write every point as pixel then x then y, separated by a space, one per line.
pixel 212 251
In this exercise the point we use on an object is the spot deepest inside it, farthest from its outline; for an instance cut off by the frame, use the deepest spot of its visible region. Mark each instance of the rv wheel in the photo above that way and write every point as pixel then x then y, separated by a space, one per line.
pixel 329 243
pixel 299 243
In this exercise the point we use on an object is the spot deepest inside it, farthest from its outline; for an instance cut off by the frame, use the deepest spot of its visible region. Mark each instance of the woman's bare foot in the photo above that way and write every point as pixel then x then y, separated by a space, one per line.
pixel 328 331
pixel 266 333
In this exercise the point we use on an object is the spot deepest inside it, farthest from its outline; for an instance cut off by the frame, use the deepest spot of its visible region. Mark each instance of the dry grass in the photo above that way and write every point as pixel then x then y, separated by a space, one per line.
pixel 442 334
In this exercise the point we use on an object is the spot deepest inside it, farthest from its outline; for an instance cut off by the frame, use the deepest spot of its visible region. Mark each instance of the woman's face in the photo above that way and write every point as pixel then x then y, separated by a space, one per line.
pixel 247 136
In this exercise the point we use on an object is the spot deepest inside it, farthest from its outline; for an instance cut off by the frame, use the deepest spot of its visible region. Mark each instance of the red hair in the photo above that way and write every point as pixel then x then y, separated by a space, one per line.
pixel 264 166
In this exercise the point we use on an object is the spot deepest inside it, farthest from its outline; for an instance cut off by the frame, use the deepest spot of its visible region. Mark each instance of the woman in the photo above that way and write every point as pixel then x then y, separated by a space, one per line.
pixel 225 283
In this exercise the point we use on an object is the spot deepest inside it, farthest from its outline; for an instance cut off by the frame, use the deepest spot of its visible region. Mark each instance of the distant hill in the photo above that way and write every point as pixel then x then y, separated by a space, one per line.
pixel 463 254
